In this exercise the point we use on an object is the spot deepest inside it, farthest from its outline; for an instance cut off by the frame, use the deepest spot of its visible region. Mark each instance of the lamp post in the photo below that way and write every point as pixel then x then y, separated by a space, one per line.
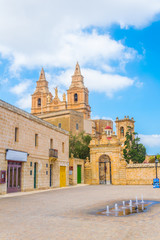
pixel 156 162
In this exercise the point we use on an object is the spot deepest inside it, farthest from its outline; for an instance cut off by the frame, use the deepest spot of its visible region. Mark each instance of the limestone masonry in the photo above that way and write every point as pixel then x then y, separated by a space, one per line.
pixel 33 153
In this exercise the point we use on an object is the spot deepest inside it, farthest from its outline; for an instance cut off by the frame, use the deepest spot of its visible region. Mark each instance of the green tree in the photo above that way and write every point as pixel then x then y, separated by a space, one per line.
pixel 78 145
pixel 133 150
pixel 152 158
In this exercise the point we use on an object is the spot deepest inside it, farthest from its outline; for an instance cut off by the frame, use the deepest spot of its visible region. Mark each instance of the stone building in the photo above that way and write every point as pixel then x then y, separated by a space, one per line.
pixel 33 152
pixel 106 155
pixel 71 114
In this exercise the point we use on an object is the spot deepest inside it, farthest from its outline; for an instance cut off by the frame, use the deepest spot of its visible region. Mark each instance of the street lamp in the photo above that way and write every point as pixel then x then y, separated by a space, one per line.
pixel 156 162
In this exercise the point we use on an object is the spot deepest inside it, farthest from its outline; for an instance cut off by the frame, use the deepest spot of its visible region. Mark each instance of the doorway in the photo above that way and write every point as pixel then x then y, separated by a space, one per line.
pixel 35 175
pixel 62 176
pixel 14 177
pixel 78 173
pixel 50 176
pixel 105 176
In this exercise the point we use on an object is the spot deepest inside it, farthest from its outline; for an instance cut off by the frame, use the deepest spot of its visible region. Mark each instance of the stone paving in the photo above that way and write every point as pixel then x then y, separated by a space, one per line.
pixel 70 214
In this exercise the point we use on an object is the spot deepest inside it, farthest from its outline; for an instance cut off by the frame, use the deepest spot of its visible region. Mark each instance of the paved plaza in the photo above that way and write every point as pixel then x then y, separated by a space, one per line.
pixel 70 214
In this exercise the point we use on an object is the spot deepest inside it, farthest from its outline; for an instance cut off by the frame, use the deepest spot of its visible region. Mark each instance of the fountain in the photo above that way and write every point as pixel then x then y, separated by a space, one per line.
pixel 124 212
pixel 142 199
pixel 116 207
pixel 136 201
pixel 130 203
pixel 124 206
pixel 130 208
pixel 107 209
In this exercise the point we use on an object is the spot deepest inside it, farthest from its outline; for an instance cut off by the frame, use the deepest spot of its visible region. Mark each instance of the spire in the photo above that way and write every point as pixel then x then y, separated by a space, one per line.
pixel 77 70
pixel 77 78
pixel 42 75
pixel 42 84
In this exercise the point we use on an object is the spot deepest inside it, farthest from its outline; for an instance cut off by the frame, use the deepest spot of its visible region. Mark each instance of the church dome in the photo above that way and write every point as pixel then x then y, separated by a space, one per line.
pixel 108 127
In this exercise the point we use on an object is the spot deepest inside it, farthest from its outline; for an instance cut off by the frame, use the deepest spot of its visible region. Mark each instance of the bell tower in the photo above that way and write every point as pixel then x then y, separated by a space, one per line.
pixel 40 95
pixel 122 126
pixel 77 94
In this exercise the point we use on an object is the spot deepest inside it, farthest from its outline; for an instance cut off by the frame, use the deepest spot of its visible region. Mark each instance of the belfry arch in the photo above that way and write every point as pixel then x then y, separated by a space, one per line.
pixel 105 176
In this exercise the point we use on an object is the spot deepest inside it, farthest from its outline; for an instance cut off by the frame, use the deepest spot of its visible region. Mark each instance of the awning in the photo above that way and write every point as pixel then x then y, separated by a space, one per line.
pixel 14 155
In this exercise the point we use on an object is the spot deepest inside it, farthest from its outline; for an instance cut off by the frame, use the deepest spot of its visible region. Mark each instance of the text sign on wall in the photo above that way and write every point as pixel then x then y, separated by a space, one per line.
pixel 13 155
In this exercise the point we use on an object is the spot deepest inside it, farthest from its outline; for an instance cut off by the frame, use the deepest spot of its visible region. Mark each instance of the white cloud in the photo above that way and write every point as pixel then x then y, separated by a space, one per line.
pixel 24 102
pixel 88 48
pixel 97 81
pixel 150 140
pixel 21 87
pixel 3 81
pixel 53 34
pixel 36 33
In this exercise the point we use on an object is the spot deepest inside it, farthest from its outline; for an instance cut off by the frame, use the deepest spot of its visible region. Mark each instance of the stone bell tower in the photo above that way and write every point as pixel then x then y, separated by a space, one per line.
pixel 77 94
pixel 40 95
pixel 122 126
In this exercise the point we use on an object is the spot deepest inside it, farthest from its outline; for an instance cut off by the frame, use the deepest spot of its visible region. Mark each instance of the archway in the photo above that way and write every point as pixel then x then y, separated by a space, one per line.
pixel 105 170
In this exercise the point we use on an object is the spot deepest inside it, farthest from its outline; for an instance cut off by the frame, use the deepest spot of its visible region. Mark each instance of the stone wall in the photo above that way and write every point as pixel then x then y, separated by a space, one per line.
pixel 68 120
pixel 73 163
pixel 88 172
pixel 141 173
pixel 28 125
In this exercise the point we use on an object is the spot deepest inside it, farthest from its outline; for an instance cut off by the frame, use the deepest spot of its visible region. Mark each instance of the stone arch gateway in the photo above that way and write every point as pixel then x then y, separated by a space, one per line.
pixel 105 176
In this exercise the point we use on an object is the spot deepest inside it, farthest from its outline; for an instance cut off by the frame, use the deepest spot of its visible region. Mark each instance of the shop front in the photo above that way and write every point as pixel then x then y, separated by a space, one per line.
pixel 14 169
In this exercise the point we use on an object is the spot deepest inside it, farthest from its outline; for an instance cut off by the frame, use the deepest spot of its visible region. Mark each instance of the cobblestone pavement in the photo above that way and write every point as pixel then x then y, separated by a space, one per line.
pixel 70 214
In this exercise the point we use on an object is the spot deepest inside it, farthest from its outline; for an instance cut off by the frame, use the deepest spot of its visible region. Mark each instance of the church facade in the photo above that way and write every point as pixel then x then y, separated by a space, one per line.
pixel 73 112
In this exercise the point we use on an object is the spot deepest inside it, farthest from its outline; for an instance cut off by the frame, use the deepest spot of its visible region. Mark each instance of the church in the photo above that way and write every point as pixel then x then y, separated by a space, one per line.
pixel 73 112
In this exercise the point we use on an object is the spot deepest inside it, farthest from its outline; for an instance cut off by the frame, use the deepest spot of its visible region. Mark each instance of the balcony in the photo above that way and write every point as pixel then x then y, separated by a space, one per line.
pixel 53 154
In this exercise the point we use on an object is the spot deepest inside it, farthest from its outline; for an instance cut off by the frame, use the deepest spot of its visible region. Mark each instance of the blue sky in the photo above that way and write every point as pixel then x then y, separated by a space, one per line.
pixel 116 44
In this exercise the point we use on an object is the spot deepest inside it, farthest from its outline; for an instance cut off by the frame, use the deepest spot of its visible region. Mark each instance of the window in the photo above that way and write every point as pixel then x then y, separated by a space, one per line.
pixel 77 127
pixel 30 164
pixel 122 131
pixel 62 147
pixel 51 143
pixel 30 172
pixel 36 140
pixel 59 125
pixel 39 102
pixel 46 165
pixel 16 134
pixel 76 97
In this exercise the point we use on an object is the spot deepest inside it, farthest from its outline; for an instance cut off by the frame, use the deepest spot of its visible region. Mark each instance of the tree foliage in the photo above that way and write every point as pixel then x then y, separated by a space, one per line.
pixel 152 158
pixel 78 145
pixel 133 150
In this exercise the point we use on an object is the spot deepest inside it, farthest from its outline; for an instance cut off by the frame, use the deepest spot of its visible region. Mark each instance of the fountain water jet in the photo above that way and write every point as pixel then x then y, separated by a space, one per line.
pixel 107 209
pixel 130 203
pixel 142 199
pixel 116 207
pixel 124 206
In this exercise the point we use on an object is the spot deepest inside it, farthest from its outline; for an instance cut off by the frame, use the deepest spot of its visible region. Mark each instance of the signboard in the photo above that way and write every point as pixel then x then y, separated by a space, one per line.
pixel 70 172
pixel 13 155
pixel 70 168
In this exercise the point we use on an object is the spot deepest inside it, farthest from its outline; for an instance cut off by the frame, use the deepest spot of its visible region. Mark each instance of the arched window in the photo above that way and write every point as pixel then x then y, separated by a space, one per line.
pixel 76 97
pixel 77 127
pixel 122 131
pixel 39 102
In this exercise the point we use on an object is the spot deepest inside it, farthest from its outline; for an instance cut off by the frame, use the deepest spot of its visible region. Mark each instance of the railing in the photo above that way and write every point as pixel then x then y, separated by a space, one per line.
pixel 53 153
